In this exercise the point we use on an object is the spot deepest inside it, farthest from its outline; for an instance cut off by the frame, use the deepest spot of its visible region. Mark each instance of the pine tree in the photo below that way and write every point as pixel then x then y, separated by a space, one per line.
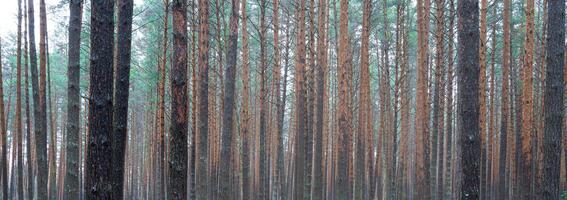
pixel 468 110
pixel 554 98
pixel 527 133
pixel 121 93
pixel 203 96
pixel 98 162
pixel 229 105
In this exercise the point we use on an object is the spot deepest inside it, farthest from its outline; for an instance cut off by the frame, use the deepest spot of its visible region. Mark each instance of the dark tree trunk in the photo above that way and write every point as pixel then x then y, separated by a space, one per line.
pixel 177 181
pixel 30 178
pixel 299 148
pixel 203 96
pixel 468 110
pixel 98 183
pixel 18 125
pixel 4 135
pixel 554 98
pixel 229 106
pixel 321 70
pixel 263 104
pixel 40 104
pixel 121 86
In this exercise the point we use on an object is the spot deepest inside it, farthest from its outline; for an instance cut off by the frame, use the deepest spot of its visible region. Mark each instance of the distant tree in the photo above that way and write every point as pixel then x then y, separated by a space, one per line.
pixel 20 170
pixel 4 134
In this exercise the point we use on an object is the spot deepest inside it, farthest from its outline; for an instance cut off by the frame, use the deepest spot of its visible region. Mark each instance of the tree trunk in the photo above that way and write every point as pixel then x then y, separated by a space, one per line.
pixel 468 110
pixel 344 180
pixel 203 118
pixel 121 93
pixel 244 111
pixel 300 107
pixel 229 106
pixel 177 177
pixel 98 183
pixel 527 131
pixel 4 135
pixel 505 124
pixel 73 102
pixel 20 170
pixel 553 98
pixel 30 163
pixel 421 122
pixel 39 99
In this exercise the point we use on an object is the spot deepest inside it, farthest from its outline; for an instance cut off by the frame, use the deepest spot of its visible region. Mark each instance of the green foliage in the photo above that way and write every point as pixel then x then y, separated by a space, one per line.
pixel 564 195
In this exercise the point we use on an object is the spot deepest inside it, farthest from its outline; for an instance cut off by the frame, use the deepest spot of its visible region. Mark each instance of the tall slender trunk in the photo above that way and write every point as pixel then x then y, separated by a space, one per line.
pixel 98 183
pixel 121 93
pixel 244 111
pixel 421 121
pixel 20 170
pixel 482 97
pixel 505 123
pixel 177 177
pixel 527 130
pixel 4 135
pixel 30 163
pixel 364 123
pixel 160 121
pixel 553 98
pixel 300 117
pixel 203 120
pixel 229 106
pixel 468 90
pixel 344 180
pixel 447 182
pixel 438 120
pixel 321 77
pixel 39 98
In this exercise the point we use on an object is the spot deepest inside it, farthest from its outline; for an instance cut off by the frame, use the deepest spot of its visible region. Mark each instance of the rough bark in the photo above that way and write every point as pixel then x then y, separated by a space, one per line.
pixel 39 98
pixel 321 76
pixel 98 183
pixel 421 121
pixel 229 105
pixel 121 93
pixel 468 110
pixel 74 102
pixel 244 111
pixel 300 117
pixel 364 123
pixel 505 123
pixel 203 96
pixel 527 132
pixel 177 171
pixel 263 104
pixel 344 181
pixel 553 98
